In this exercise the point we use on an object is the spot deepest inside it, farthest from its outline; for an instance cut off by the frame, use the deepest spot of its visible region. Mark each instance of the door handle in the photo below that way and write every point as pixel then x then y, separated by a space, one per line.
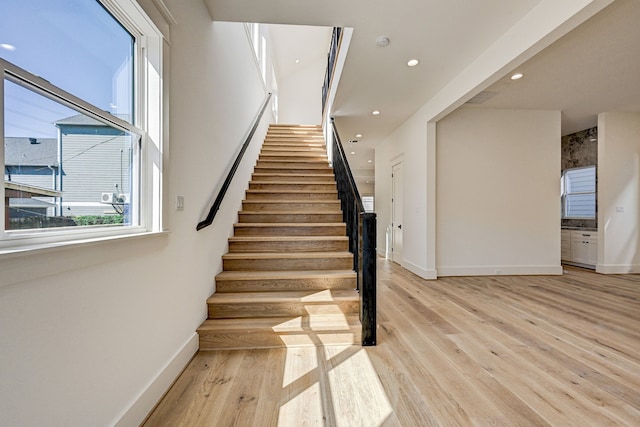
pixel 400 226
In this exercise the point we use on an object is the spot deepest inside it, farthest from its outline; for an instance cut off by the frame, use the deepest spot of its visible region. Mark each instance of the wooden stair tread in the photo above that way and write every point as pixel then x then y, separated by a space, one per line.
pixel 285 274
pixel 285 238
pixel 285 255
pixel 306 297
pixel 259 191
pixel 294 212
pixel 284 324
pixel 295 161
pixel 298 201
pixel 301 175
pixel 288 224
pixel 294 183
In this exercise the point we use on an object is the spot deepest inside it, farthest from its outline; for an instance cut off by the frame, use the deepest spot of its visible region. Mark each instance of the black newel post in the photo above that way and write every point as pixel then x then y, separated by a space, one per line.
pixel 367 275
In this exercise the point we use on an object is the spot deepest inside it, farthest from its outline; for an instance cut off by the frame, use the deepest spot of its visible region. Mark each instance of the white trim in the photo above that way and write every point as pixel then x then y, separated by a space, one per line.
pixel 144 403
pixel 500 270
pixel 165 12
pixel 618 268
pixel 420 271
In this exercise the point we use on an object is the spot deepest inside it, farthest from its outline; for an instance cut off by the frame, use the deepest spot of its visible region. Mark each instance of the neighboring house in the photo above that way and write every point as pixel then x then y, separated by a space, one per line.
pixel 92 152
pixel 31 162
pixel 90 163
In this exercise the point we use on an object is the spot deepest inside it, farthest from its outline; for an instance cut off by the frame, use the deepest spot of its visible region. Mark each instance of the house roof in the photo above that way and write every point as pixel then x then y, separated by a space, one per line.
pixel 30 151
pixel 79 120
pixel 84 120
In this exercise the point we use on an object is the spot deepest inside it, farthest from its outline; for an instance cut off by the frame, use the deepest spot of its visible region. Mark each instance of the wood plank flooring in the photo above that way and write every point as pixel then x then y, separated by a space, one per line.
pixel 499 351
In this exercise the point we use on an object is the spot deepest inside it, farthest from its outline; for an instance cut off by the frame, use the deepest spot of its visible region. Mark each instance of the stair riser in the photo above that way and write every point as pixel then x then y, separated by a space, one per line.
pixel 269 339
pixel 294 148
pixel 306 157
pixel 308 206
pixel 283 164
pixel 262 285
pixel 252 195
pixel 277 309
pixel 256 177
pixel 310 136
pixel 310 147
pixel 290 246
pixel 287 264
pixel 297 142
pixel 331 186
pixel 318 230
pixel 295 171
pixel 285 217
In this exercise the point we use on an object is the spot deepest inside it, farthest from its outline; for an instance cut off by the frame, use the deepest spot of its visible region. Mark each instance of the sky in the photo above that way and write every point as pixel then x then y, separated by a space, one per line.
pixel 75 45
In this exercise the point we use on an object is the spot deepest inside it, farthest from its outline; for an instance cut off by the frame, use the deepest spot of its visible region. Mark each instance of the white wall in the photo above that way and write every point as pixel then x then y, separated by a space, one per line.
pixel 498 195
pixel 92 336
pixel 618 193
pixel 408 145
pixel 300 93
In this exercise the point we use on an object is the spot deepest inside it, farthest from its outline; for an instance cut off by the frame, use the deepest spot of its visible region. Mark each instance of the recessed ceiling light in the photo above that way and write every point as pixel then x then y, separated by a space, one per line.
pixel 413 62
pixel 369 161
pixel 375 112
pixel 353 152
pixel 383 41
pixel 297 61
pixel 8 47
pixel 368 182
pixel 359 135
pixel 517 76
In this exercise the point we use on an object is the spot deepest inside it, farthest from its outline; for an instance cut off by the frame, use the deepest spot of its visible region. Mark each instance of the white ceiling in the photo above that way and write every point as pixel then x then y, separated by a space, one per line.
pixel 594 68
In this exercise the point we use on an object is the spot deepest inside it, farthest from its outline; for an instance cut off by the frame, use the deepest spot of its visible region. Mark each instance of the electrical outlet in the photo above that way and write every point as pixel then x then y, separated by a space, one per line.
pixel 619 208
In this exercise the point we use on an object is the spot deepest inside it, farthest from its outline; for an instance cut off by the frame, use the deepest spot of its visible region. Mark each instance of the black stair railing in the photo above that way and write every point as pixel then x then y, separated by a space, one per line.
pixel 361 230
pixel 331 60
pixel 227 182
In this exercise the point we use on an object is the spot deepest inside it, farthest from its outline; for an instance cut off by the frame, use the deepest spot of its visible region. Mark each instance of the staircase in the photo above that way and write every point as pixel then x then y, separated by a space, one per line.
pixel 288 278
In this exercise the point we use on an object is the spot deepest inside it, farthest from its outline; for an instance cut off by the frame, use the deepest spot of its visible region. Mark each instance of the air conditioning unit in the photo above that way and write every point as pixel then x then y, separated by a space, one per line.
pixel 124 198
pixel 109 198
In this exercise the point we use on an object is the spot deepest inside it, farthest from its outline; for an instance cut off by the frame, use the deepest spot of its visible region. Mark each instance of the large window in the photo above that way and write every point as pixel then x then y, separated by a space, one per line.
pixel 579 193
pixel 78 89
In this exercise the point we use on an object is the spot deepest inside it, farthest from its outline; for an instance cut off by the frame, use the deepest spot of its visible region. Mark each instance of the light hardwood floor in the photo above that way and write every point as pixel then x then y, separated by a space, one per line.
pixel 501 350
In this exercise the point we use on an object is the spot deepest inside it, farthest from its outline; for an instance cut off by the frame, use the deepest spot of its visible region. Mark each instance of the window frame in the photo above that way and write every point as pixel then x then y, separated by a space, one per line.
pixel 564 192
pixel 147 125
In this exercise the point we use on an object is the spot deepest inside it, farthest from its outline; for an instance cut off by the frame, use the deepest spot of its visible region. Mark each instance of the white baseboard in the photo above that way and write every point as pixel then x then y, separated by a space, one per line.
pixel 420 271
pixel 157 387
pixel 618 268
pixel 497 270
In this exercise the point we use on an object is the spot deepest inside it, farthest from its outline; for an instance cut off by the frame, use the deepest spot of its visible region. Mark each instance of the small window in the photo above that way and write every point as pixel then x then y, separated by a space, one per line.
pixel 579 193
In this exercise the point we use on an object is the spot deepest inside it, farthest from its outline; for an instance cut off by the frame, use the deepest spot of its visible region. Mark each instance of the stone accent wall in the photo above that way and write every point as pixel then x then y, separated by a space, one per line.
pixel 578 150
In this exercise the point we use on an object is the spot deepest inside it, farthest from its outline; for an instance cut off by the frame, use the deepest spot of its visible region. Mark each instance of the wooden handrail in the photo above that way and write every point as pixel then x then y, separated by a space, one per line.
pixel 227 182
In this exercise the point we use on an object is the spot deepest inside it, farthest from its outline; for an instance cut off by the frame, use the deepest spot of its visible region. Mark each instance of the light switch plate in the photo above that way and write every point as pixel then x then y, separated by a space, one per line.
pixel 179 203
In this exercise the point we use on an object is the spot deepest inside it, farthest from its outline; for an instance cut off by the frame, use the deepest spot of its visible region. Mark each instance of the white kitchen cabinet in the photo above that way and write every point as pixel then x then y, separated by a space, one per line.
pixel 584 247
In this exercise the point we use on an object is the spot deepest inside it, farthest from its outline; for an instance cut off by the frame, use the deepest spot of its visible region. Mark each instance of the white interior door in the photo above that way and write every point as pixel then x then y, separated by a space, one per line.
pixel 396 212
